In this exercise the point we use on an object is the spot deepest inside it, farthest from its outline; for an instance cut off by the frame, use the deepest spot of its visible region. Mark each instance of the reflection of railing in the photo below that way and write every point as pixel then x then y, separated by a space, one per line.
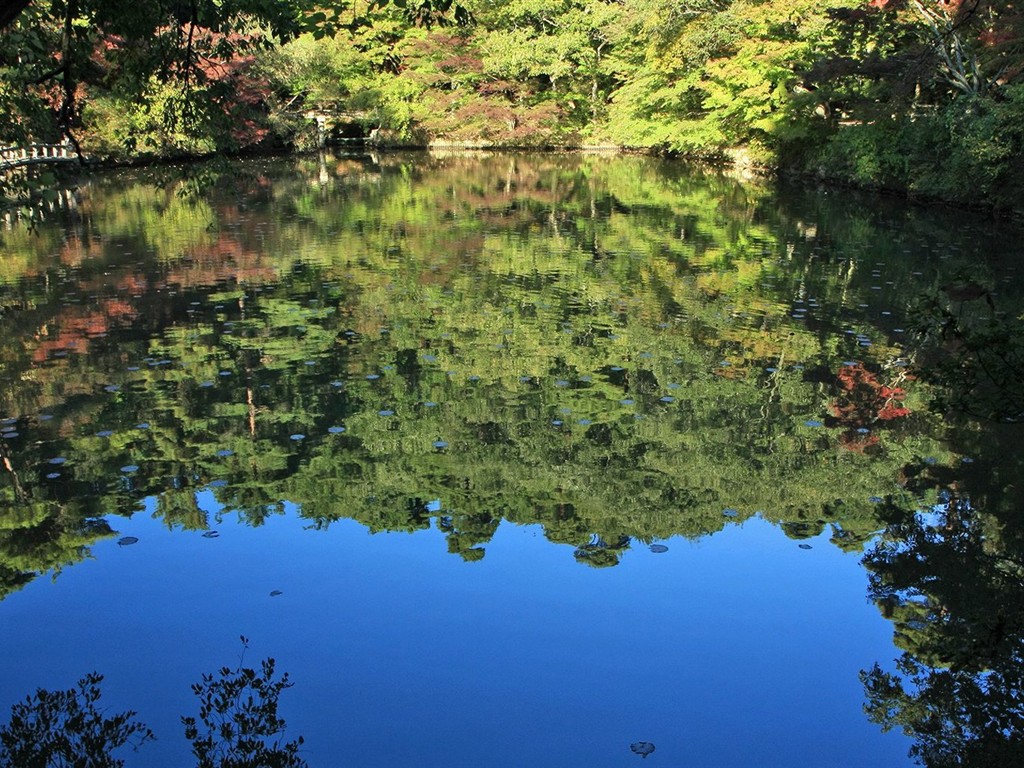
pixel 35 154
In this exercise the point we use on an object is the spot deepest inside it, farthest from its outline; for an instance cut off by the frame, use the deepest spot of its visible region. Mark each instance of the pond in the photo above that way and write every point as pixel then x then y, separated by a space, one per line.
pixel 511 459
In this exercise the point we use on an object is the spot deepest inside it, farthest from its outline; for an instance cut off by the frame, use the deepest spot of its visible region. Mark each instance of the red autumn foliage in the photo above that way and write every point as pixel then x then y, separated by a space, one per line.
pixel 864 399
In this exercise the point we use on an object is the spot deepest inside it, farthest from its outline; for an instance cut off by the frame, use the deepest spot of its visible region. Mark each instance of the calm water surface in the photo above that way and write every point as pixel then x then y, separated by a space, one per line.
pixel 512 460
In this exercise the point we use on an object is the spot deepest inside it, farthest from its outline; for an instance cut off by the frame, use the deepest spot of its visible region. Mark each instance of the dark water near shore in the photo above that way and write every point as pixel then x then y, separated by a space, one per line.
pixel 507 460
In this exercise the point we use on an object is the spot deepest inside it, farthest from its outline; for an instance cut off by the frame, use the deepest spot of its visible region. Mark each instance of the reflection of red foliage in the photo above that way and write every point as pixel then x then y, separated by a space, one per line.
pixel 72 331
pixel 864 400
pixel 852 440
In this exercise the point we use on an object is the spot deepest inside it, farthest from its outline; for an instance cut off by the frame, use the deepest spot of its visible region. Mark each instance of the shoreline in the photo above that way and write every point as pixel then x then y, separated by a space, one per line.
pixel 735 163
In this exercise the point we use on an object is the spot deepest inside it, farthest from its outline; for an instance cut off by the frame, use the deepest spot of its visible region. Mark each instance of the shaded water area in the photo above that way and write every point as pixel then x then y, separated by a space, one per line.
pixel 510 460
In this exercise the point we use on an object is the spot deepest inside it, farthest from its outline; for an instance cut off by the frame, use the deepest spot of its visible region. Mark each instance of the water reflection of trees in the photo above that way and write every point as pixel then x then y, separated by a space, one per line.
pixel 951 578
pixel 617 351
pixel 238 724
pixel 951 575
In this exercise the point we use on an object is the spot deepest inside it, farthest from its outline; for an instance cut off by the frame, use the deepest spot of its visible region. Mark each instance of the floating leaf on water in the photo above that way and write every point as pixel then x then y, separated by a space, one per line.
pixel 617 368
pixel 104 433
pixel 813 423
pixel 642 748
pixel 211 535
pixel 658 548
pixel 585 422
pixel 875 499
pixel 124 541
pixel 335 430
pixel 128 468
pixel 667 399
pixel 53 476
pixel 57 460
pixel 112 388
pixel 561 383
pixel 862 430
pixel 337 383
pixel 627 401
pixel 731 512
pixel 804 546
pixel 673 385
pixel 930 460
pixel 298 436
pixel 276 592
pixel 386 412
pixel 556 422
pixel 440 444
pixel 967 460
pixel 45 416
pixel 218 483
pixel 206 384
pixel 430 358
pixel 372 376
pixel 225 452
pixel 143 425
pixel 430 404
pixel 225 373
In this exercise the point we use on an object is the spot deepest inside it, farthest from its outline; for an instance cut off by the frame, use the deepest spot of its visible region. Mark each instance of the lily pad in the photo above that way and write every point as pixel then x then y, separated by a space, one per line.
pixel 658 548
pixel 642 748
pixel 124 541
pixel 804 546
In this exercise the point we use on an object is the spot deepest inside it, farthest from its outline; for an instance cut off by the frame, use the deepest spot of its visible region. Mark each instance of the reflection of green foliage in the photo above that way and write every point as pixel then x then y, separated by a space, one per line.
pixel 974 354
pixel 606 348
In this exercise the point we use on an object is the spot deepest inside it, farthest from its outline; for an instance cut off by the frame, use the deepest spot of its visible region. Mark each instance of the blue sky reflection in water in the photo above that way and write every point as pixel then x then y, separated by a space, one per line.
pixel 620 489
pixel 737 649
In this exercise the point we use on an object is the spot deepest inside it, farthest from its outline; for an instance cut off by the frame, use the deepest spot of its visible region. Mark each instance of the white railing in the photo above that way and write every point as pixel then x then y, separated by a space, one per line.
pixel 33 154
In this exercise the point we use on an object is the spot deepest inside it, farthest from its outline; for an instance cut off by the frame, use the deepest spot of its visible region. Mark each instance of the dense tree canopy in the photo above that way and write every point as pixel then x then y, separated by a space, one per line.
pixel 870 92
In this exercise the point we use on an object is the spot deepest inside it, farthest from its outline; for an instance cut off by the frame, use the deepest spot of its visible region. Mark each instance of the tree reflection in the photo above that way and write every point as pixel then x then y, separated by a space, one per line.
pixel 68 729
pixel 238 725
pixel 952 580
